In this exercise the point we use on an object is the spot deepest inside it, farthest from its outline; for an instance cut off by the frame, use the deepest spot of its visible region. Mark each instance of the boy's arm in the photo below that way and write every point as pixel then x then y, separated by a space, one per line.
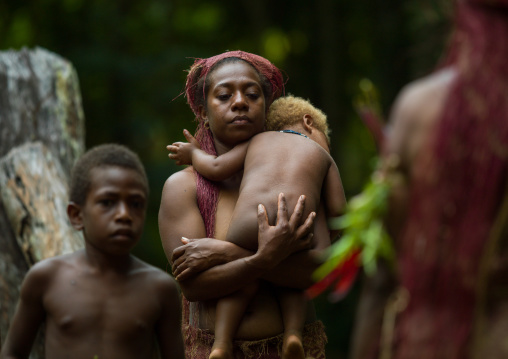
pixel 28 316
pixel 333 196
pixel 215 168
pixel 168 328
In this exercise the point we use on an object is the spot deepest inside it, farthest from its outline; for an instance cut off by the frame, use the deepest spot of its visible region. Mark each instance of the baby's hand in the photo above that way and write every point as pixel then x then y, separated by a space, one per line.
pixel 181 152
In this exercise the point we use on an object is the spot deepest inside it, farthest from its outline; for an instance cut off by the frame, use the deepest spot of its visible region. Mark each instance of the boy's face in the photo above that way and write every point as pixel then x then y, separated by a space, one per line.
pixel 113 215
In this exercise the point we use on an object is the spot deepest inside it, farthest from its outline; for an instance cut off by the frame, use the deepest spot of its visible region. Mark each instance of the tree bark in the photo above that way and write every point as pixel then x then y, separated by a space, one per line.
pixel 41 136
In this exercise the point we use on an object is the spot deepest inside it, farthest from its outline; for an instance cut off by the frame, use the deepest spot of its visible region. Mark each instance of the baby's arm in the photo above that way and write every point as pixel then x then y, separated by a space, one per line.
pixel 333 195
pixel 29 314
pixel 215 168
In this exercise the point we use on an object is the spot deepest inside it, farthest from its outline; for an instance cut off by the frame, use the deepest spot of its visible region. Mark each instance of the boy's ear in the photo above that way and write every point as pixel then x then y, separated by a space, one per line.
pixel 308 122
pixel 74 214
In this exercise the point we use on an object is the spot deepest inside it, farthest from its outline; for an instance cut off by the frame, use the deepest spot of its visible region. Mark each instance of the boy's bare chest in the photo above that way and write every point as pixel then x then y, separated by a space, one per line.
pixel 81 305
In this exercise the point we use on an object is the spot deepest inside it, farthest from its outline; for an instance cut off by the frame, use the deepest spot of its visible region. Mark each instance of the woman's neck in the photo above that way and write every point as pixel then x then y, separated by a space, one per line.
pixel 221 148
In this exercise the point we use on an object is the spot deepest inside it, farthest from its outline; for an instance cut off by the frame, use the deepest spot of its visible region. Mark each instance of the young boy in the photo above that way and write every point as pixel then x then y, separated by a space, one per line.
pixel 100 302
pixel 285 161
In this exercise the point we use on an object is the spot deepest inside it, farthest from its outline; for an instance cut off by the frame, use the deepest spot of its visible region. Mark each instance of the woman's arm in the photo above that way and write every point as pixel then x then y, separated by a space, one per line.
pixel 179 216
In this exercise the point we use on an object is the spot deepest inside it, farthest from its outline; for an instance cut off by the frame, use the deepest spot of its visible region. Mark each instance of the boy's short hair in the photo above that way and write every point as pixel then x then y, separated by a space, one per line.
pixel 102 156
pixel 288 110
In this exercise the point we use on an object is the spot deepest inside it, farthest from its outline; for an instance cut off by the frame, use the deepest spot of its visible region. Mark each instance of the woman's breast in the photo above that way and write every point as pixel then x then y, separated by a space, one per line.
pixel 225 208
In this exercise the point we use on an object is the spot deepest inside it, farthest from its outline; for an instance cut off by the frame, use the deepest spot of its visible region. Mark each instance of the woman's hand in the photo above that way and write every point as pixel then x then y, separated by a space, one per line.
pixel 275 243
pixel 197 255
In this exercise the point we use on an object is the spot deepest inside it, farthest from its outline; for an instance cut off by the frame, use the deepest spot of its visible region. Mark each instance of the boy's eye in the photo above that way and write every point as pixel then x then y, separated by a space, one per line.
pixel 137 204
pixel 253 96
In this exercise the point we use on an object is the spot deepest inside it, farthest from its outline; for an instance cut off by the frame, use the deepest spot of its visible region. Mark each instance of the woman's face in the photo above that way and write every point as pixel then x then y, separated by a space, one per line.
pixel 235 104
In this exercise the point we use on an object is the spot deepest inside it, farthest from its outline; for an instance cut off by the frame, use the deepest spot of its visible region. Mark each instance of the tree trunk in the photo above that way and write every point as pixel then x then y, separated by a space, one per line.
pixel 41 135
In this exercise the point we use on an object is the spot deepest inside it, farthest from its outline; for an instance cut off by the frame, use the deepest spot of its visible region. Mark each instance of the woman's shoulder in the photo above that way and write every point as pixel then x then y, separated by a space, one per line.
pixel 180 186
pixel 185 178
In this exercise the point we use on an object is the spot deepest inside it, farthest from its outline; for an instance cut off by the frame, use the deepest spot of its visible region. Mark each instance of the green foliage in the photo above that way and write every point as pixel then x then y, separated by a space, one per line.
pixel 362 228
pixel 362 223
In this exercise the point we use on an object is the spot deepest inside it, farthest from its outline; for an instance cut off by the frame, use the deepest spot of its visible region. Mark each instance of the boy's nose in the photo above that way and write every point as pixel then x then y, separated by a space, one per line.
pixel 123 212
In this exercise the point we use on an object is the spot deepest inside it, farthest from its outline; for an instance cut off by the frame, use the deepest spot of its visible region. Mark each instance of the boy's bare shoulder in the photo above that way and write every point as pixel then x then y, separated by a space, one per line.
pixel 50 266
pixel 43 272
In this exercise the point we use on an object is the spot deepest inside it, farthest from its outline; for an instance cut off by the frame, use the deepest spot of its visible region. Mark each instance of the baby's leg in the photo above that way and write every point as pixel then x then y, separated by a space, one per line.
pixel 228 315
pixel 294 311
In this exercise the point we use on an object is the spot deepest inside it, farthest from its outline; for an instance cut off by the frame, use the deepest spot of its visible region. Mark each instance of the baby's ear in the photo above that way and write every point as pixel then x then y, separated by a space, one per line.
pixel 308 122
pixel 75 217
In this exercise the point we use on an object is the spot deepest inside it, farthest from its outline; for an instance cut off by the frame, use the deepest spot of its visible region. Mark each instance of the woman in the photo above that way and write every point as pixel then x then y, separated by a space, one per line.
pixel 447 148
pixel 230 94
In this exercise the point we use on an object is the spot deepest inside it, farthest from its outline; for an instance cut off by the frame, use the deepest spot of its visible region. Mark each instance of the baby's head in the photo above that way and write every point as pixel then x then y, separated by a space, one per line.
pixel 107 155
pixel 289 111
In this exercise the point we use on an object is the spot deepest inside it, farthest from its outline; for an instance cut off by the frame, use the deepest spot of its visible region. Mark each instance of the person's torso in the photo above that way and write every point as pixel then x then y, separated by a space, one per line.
pixel 283 163
pixel 262 318
pixel 89 314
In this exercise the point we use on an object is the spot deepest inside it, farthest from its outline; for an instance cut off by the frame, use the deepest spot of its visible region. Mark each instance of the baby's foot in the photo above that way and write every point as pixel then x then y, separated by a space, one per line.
pixel 220 352
pixel 292 348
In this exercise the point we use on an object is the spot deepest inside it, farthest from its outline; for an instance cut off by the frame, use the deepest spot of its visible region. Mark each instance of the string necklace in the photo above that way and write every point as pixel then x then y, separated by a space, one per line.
pixel 296 133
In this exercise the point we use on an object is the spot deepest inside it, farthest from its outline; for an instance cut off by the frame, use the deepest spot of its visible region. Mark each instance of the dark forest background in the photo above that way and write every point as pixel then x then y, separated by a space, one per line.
pixel 131 58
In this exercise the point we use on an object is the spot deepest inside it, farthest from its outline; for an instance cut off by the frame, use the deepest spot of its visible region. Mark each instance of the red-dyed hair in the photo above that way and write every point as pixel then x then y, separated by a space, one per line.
pixel 207 192
pixel 454 203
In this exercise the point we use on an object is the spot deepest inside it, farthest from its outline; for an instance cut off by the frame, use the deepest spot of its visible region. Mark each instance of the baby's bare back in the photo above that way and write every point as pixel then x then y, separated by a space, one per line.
pixel 277 163
pixel 105 315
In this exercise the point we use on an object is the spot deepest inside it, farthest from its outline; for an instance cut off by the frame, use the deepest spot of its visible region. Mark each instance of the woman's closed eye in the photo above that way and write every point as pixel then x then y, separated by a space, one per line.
pixel 224 97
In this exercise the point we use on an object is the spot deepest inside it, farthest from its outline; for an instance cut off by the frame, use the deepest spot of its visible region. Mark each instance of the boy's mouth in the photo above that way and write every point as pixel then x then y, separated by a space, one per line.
pixel 123 234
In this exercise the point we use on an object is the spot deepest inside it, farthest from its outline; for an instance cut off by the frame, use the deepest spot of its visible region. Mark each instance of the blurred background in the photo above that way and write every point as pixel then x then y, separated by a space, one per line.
pixel 131 57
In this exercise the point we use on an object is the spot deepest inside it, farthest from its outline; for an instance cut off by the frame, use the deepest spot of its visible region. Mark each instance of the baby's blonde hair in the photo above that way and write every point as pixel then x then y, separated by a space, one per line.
pixel 288 110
